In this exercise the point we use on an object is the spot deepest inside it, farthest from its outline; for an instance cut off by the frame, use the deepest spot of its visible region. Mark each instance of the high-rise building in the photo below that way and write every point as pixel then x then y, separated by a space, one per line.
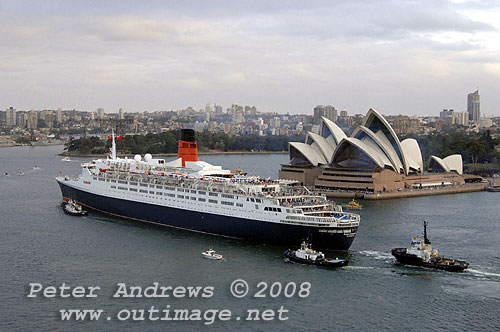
pixel 461 118
pixel 208 108
pixel 121 114
pixel 275 122
pixel 10 117
pixel 218 109
pixel 328 112
pixel 100 113
pixel 59 117
pixel 473 106
pixel 446 113
pixel 21 119
pixel 32 120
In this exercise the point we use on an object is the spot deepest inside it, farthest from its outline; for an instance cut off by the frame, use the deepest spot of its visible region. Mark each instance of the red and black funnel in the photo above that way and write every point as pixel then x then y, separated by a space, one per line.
pixel 188 149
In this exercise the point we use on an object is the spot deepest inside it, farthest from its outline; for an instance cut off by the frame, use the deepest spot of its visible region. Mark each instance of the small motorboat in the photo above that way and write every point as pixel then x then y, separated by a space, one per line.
pixel 66 159
pixel 72 208
pixel 494 188
pixel 20 173
pixel 354 205
pixel 420 253
pixel 36 167
pixel 306 255
pixel 211 254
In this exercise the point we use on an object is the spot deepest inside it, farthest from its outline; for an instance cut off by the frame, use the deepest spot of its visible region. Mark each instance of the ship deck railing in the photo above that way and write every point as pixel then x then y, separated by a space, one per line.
pixel 230 187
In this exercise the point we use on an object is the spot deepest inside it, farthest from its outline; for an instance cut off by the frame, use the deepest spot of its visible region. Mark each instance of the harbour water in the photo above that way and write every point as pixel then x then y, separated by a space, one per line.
pixel 40 244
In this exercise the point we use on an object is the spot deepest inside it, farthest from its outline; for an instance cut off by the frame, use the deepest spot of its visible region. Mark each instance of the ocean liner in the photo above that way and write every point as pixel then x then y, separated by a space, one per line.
pixel 194 195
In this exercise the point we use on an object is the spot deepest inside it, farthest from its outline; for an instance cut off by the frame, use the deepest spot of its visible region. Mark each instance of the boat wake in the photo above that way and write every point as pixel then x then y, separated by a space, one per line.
pixel 380 255
pixel 484 273
pixel 359 267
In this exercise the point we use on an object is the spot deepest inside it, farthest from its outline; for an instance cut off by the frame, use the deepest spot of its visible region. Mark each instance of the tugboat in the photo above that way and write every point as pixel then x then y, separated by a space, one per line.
pixel 211 254
pixel 421 254
pixel 70 207
pixel 306 255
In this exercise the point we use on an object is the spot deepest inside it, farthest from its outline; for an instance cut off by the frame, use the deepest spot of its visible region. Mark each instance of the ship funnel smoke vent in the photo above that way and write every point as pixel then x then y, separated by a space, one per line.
pixel 188 148
pixel 187 135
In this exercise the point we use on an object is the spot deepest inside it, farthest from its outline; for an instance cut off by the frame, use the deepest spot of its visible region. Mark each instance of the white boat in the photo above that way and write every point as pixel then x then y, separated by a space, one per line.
pixel 211 254
pixel 36 167
pixel 66 159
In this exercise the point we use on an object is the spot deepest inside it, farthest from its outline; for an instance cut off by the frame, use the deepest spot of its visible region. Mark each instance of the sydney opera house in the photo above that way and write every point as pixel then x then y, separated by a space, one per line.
pixel 372 159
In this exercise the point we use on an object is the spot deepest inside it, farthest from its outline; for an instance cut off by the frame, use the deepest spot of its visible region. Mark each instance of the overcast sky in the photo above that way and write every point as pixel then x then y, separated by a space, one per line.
pixel 399 57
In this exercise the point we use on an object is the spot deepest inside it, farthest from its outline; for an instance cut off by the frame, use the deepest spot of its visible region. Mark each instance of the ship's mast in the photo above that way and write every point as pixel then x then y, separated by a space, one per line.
pixel 113 145
pixel 426 240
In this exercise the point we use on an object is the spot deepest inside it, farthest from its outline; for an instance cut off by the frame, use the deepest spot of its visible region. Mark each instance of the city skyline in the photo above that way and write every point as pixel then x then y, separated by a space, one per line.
pixel 352 55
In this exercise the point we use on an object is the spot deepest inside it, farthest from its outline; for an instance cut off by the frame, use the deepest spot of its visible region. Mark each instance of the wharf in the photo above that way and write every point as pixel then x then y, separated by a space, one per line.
pixel 467 188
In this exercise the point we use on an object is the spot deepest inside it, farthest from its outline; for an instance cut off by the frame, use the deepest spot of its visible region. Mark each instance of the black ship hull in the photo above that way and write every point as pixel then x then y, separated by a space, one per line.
pixel 234 227
pixel 441 264
pixel 331 264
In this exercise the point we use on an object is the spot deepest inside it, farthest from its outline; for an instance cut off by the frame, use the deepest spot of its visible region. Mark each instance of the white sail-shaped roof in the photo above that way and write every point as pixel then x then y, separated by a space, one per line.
pixel 379 125
pixel 321 144
pixel 382 143
pixel 454 163
pixel 312 155
pixel 331 132
pixel 413 154
pixel 368 149
pixel 437 163
pixel 375 144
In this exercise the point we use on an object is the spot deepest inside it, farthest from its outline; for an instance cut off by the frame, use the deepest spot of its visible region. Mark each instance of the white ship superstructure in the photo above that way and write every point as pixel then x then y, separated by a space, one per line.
pixel 206 198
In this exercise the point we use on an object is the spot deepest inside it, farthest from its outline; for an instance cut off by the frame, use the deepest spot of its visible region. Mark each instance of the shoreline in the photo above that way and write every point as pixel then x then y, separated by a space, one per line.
pixel 468 188
pixel 13 145
pixel 66 154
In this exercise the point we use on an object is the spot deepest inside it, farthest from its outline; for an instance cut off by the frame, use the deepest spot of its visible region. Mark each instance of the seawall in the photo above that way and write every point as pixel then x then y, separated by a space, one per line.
pixel 467 188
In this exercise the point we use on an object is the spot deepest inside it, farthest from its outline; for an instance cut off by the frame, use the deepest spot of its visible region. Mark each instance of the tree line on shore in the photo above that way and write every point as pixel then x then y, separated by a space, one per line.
pixel 474 148
pixel 167 142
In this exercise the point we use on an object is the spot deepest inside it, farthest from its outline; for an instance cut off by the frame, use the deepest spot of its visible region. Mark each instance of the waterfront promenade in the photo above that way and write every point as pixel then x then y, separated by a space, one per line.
pixel 467 188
